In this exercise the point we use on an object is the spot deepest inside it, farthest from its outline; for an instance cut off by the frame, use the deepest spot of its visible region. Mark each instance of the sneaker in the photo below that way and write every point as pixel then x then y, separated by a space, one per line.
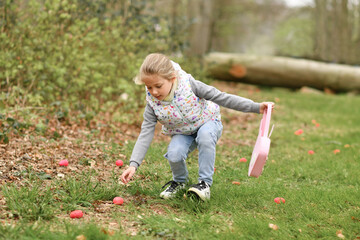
pixel 202 190
pixel 172 189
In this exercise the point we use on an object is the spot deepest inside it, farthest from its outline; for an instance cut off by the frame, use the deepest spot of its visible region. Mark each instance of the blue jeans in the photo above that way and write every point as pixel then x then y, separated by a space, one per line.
pixel 181 145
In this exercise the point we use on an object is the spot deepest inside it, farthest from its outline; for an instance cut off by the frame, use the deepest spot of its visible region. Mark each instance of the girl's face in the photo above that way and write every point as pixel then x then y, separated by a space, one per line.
pixel 158 86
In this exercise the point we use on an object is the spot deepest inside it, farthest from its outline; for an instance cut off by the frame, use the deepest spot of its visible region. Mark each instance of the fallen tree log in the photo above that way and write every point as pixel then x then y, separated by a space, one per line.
pixel 282 71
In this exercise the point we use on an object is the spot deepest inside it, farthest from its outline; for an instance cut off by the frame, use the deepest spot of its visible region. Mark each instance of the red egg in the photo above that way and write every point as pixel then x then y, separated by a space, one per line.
pixel 298 132
pixel 63 163
pixel 279 200
pixel 76 214
pixel 119 163
pixel 311 152
pixel 242 160
pixel 118 200
pixel 336 151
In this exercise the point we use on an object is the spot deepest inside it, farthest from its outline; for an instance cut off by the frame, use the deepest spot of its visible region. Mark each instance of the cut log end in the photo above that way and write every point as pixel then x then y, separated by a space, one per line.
pixel 238 71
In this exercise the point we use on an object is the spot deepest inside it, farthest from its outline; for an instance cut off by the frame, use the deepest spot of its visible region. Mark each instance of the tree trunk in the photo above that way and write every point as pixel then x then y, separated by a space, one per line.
pixel 345 33
pixel 334 24
pixel 322 31
pixel 282 72
pixel 200 15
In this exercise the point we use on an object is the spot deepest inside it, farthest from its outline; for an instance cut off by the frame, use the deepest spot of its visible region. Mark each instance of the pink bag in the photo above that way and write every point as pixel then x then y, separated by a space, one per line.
pixel 262 145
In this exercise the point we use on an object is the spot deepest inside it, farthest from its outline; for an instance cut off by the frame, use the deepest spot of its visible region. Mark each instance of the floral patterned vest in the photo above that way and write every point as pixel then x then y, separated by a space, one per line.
pixel 186 112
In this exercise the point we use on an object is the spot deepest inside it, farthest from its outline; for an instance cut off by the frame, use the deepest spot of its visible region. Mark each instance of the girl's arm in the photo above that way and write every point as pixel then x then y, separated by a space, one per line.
pixel 142 144
pixel 145 137
pixel 223 99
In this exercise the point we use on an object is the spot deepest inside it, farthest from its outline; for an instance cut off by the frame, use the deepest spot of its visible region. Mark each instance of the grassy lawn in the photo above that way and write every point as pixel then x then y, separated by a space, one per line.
pixel 321 189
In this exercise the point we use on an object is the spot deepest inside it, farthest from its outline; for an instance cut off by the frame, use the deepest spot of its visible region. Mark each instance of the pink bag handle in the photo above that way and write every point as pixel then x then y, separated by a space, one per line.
pixel 265 122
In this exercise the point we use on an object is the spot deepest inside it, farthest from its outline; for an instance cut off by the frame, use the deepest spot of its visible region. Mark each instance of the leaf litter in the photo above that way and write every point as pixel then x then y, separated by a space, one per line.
pixel 89 146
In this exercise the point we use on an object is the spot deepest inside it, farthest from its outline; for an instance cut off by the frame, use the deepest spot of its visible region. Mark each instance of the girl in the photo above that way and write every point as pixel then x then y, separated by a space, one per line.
pixel 189 112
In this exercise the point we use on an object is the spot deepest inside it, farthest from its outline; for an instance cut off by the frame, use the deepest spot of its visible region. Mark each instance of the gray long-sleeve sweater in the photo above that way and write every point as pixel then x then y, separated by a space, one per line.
pixel 201 90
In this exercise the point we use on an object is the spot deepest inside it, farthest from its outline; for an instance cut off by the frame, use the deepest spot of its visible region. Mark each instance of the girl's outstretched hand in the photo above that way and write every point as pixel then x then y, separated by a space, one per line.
pixel 264 106
pixel 128 174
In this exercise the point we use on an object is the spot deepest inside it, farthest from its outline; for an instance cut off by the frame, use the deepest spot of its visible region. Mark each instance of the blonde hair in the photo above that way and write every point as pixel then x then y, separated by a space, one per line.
pixel 155 64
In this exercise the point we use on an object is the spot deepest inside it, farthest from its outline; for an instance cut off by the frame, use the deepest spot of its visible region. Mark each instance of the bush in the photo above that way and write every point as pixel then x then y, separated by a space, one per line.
pixel 75 51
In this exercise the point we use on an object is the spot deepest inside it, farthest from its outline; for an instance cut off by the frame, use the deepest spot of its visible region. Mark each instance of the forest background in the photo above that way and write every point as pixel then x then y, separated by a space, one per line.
pixel 82 55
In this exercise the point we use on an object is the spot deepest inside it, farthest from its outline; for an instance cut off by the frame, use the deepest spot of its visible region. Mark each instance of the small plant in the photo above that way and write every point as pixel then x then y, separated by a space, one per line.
pixel 8 125
pixel 85 161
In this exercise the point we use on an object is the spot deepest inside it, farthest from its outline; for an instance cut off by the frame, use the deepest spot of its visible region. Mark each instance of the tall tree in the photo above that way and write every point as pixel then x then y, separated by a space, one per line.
pixel 345 32
pixel 336 26
pixel 200 14
pixel 321 31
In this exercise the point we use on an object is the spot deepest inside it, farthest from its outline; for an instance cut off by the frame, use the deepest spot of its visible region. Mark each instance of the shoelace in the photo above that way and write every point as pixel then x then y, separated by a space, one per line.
pixel 201 185
pixel 172 184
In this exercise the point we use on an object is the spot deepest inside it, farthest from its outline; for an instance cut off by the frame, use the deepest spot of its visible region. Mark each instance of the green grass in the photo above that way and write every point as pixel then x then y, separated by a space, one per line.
pixel 83 190
pixel 321 190
pixel 32 201
pixel 43 231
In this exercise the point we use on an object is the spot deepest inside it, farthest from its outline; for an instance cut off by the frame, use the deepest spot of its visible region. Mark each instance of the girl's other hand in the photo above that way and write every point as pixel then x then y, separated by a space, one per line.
pixel 264 106
pixel 128 174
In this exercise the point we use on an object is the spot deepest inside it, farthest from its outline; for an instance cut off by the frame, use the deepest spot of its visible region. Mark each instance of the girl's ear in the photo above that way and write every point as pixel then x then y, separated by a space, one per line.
pixel 173 78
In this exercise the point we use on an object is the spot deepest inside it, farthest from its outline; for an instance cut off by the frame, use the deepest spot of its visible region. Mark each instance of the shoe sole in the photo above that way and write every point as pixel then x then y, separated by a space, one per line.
pixel 192 196
pixel 197 193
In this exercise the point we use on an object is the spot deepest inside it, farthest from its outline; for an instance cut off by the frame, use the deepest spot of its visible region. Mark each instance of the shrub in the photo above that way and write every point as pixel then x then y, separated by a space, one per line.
pixel 75 51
